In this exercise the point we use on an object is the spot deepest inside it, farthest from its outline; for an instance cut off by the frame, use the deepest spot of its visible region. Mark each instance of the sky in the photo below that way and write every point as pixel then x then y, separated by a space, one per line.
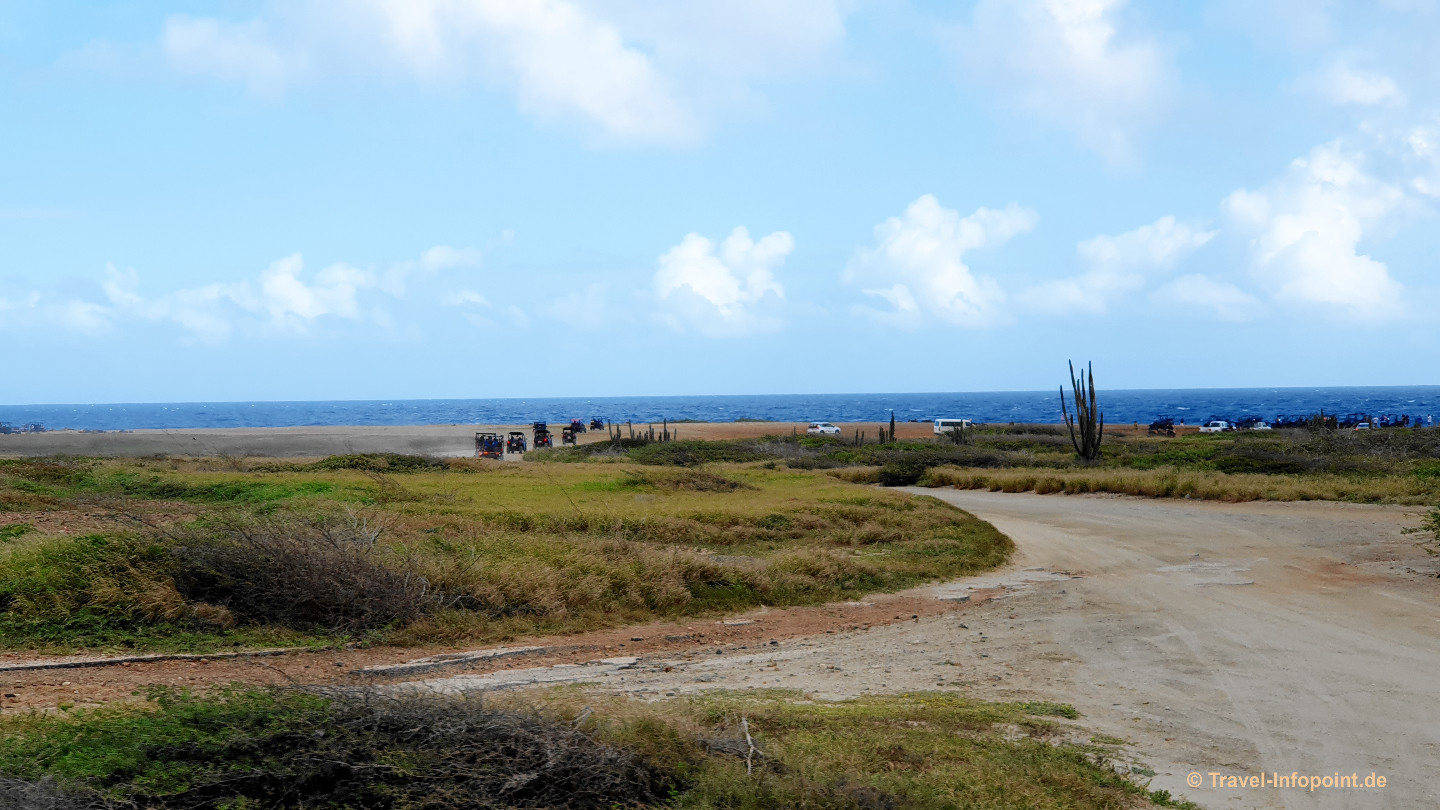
pixel 368 199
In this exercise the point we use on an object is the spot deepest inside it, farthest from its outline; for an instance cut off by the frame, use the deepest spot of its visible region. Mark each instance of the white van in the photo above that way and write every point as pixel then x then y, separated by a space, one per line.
pixel 944 426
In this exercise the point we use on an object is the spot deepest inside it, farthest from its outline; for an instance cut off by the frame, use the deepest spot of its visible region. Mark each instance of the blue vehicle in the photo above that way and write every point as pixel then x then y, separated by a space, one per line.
pixel 489 445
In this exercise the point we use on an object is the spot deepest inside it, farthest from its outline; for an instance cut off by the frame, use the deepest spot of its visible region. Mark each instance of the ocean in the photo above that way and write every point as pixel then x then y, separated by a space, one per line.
pixel 1190 405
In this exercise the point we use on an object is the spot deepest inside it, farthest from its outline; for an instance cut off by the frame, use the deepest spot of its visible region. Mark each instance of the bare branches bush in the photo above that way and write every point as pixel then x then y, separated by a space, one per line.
pixel 303 572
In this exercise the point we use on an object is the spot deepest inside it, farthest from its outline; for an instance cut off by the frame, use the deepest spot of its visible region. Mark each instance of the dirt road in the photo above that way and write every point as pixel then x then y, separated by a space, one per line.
pixel 1237 639
pixel 1265 637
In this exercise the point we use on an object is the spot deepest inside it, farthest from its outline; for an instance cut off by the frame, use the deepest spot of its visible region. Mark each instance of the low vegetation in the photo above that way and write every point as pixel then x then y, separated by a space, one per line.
pixel 291 748
pixel 1397 465
pixel 195 555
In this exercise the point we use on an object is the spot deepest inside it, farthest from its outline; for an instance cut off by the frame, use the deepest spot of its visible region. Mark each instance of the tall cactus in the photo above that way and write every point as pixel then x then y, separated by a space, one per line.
pixel 1088 418
pixel 892 424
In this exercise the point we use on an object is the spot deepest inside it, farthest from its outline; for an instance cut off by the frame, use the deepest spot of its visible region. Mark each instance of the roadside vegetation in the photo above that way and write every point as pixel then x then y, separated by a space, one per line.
pixel 196 555
pixel 291 748
pixel 1397 465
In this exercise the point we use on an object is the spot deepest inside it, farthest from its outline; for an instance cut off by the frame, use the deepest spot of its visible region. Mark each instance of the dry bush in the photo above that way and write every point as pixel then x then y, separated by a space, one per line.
pixel 468 755
pixel 299 748
pixel 686 479
pixel 18 794
pixel 316 572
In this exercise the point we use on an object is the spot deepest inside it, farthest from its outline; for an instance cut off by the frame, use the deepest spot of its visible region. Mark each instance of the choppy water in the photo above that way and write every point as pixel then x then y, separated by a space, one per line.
pixel 1191 405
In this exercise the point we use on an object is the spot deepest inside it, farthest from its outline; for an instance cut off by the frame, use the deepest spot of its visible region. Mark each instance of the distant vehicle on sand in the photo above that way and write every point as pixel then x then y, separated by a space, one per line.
pixel 822 429
pixel 516 443
pixel 944 426
pixel 489 445
pixel 1215 426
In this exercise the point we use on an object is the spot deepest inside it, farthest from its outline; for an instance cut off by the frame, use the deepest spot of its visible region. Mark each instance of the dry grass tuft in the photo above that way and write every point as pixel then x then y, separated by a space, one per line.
pixel 1166 482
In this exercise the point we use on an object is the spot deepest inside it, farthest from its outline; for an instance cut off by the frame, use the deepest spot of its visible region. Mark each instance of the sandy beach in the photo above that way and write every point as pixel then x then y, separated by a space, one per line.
pixel 443 441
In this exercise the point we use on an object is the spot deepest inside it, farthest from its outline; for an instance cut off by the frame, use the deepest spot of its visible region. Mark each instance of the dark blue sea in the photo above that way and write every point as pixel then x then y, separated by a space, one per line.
pixel 1189 405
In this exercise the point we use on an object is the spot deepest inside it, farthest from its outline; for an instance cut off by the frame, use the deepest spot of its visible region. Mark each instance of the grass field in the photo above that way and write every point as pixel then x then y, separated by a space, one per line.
pixel 195 555
pixel 1382 466
pixel 239 747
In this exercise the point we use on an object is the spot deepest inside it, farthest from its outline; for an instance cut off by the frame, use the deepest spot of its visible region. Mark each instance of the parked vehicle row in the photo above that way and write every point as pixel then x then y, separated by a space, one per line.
pixel 494 445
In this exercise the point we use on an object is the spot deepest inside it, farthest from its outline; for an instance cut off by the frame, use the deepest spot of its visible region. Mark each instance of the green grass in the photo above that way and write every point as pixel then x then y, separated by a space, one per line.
pixel 1388 466
pixel 261 748
pixel 505 550
pixel 15 530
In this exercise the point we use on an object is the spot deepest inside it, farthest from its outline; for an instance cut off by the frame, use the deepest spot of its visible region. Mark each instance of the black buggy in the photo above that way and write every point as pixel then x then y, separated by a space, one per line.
pixel 516 443
pixel 489 445
pixel 1164 426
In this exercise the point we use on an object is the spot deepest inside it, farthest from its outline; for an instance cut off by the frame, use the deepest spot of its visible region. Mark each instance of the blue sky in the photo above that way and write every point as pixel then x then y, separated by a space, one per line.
pixel 315 199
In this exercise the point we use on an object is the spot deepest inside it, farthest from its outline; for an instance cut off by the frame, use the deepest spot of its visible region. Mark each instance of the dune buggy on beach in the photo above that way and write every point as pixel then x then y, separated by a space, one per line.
pixel 489 445
pixel 542 435
pixel 516 443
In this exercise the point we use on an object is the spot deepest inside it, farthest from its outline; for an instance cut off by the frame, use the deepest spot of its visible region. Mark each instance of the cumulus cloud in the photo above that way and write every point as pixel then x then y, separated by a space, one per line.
pixel 1221 298
pixel 283 298
pixel 727 292
pixel 1118 265
pixel 917 265
pixel 1306 227
pixel 1071 62
pixel 627 70
pixel 1344 85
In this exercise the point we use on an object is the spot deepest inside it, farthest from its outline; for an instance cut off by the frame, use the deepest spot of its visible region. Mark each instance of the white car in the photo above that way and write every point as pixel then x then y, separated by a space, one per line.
pixel 1217 426
pixel 822 429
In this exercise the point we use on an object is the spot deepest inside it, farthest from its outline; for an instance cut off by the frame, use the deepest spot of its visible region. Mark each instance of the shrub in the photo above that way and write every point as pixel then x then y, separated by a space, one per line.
pixel 684 480
pixel 86 589
pixel 315 573
pixel 294 748
pixel 378 462
pixel 693 452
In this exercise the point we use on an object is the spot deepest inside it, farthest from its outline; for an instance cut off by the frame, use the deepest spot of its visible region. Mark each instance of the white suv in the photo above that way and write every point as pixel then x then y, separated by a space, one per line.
pixel 1217 426
pixel 822 429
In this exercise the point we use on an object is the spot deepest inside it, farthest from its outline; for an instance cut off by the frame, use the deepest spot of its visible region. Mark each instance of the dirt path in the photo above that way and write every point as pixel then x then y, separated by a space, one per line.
pixel 1234 638
pixel 1237 639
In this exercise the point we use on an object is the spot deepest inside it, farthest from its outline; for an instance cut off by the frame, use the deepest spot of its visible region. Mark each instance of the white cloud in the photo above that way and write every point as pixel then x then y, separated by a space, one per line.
pixel 239 52
pixel 82 316
pixel 292 303
pixel 397 277
pixel 917 264
pixel 1306 228
pixel 1070 62
pixel 461 298
pixel 1225 300
pixel 1343 85
pixel 626 70
pixel 283 298
pixel 1118 265
pixel 724 294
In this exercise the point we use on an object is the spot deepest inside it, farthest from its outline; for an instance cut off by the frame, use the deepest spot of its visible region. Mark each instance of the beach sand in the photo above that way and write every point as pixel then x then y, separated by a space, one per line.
pixel 443 441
